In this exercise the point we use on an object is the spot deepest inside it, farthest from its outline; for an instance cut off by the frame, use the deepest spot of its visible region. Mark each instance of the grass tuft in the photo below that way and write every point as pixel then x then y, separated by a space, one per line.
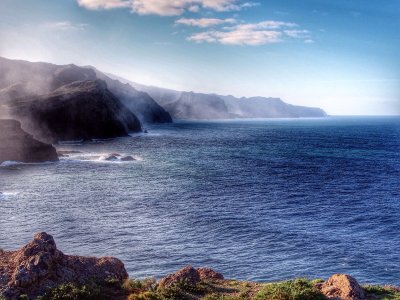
pixel 298 289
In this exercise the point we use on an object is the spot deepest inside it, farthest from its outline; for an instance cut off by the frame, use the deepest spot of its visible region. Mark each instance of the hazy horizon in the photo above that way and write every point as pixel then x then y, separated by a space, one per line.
pixel 341 57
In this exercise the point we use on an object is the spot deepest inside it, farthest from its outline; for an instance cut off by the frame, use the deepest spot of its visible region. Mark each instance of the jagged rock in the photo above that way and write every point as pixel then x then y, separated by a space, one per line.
pixel 111 158
pixel 17 145
pixel 115 154
pixel 127 158
pixel 40 265
pixel 189 275
pixel 342 287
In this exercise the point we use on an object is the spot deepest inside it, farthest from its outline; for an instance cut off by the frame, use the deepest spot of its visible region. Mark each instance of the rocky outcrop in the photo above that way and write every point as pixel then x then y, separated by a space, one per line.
pixel 17 145
pixel 39 266
pixel 342 287
pixel 82 110
pixel 189 275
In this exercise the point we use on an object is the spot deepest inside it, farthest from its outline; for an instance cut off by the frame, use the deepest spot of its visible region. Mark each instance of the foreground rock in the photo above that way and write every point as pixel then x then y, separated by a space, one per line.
pixel 17 145
pixel 39 266
pixel 189 275
pixel 343 287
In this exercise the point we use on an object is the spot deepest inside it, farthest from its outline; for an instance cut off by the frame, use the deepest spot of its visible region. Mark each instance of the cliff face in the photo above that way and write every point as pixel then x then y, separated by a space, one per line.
pixel 82 110
pixel 146 109
pixel 17 145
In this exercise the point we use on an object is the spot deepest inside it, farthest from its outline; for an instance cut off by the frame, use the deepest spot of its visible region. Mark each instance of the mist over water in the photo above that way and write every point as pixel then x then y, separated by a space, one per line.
pixel 259 200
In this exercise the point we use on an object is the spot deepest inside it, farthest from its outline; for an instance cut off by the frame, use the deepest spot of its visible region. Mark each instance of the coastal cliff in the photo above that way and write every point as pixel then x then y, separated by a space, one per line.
pixel 40 271
pixel 17 145
pixel 82 110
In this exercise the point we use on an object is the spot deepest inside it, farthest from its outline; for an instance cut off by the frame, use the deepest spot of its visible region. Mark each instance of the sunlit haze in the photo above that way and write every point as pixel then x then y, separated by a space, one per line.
pixel 342 56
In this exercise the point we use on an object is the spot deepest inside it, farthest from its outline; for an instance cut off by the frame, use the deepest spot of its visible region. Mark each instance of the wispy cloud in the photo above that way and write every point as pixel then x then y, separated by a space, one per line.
pixel 204 22
pixel 238 37
pixel 66 25
pixel 167 7
pixel 253 34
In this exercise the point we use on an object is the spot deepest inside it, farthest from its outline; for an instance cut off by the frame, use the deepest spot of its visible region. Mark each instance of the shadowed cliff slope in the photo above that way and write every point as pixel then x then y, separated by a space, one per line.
pixel 82 110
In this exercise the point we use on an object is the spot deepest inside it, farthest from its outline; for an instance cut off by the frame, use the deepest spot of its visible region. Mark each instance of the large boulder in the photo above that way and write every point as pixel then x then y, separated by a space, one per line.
pixel 342 287
pixel 189 275
pixel 40 265
pixel 17 145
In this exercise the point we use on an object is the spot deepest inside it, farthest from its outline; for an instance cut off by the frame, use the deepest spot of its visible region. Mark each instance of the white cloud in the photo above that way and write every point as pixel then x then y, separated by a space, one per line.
pixel 166 7
pixel 104 4
pixel 253 34
pixel 238 37
pixel 204 22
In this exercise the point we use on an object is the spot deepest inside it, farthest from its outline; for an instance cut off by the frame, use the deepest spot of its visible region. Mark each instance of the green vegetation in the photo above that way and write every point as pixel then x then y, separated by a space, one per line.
pixel 71 291
pixel 109 289
pixel 148 289
pixel 383 292
pixel 298 289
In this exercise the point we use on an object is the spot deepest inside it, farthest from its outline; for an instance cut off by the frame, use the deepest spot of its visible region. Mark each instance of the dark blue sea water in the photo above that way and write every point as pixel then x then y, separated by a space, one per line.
pixel 260 200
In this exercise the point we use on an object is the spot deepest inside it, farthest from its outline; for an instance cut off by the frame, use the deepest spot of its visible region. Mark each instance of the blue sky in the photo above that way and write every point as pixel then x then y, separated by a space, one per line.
pixel 342 55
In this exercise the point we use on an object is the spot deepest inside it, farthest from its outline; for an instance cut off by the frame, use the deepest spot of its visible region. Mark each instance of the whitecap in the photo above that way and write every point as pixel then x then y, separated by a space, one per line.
pixel 10 163
pixel 7 195
pixel 77 142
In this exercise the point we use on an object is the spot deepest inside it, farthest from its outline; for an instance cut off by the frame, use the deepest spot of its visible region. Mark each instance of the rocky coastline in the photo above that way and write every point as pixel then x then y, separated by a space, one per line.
pixel 40 271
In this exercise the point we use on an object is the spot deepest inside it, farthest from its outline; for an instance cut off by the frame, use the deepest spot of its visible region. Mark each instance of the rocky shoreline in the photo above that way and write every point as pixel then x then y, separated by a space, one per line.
pixel 40 271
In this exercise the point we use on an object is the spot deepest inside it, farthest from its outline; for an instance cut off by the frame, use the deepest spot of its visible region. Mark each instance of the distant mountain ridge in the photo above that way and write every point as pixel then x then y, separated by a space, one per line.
pixel 191 105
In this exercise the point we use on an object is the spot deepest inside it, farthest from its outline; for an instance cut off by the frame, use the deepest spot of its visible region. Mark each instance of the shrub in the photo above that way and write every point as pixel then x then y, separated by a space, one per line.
pixel 145 296
pixel 225 297
pixel 298 289
pixel 71 291
pixel 383 292
pixel 138 286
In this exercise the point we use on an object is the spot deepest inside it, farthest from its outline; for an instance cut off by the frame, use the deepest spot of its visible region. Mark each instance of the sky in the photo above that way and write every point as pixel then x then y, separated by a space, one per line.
pixel 342 55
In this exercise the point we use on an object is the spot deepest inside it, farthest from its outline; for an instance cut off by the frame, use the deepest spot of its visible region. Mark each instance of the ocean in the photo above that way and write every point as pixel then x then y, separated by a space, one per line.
pixel 260 200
